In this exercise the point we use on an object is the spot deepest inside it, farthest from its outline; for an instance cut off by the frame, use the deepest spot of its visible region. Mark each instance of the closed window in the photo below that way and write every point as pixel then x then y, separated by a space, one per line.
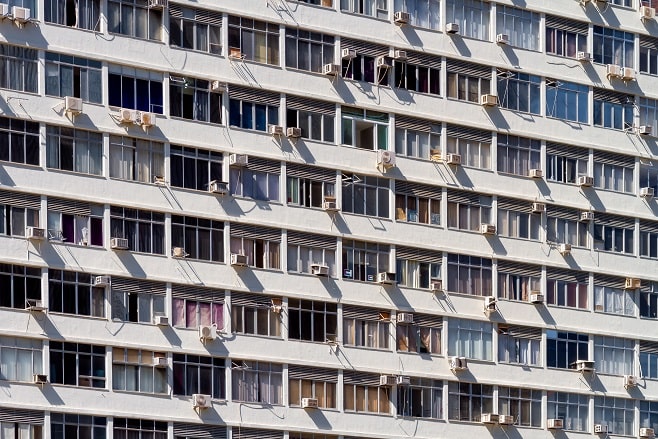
pixel 417 77
pixel 312 320
pixel 524 405
pixel 73 426
pixel 423 13
pixel 199 238
pixel 416 209
pixel 199 374
pixel 471 339
pixel 627 3
pixel 253 40
pixel 195 29
pixel 418 143
pixel 572 408
pixel 468 213
pixel 135 19
pixel 517 224
pixel 193 99
pixel 519 345
pixel 613 111
pixel 260 253
pixel 649 414
pixel 77 364
pixel 563 349
pixel 366 195
pixel 315 125
pixel 618 301
pixel 192 313
pixel 363 260
pixel 135 89
pixel 467 402
pixel 613 46
pixel 565 40
pixel 134 370
pixel 74 150
pixel 649 300
pixel 193 168
pixel 521 25
pixel 73 292
pixel 125 428
pixel 372 8
pixel 256 381
pixel 619 239
pixel 301 257
pixel 364 327
pixel 516 285
pixel 74 76
pixel 566 100
pixel 562 230
pixel 362 394
pixel 467 87
pixel 144 230
pixel 564 164
pixel 18 68
pixel 19 141
pixel 423 398
pixel 649 53
pixel 472 16
pixel 618 414
pixel 20 358
pixel 255 316
pixel 307 50
pixel 315 383
pixel 474 153
pixel 614 177
pixel 14 220
pixel 572 294
pixel 252 115
pixel 19 286
pixel 365 129
pixel 648 109
pixel 469 275
pixel 83 14
pixel 519 92
pixel 517 155
pixel 648 240
pixel 136 159
pixel 614 355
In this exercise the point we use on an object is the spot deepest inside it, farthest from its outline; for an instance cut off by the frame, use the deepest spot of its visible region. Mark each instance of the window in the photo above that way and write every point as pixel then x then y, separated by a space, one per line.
pixel 193 99
pixel 28 4
pixel 315 119
pixel 19 285
pixel 648 239
pixel 305 250
pixel 649 54
pixel 649 414
pixel 417 203
pixel 472 16
pixel 74 150
pixel 466 86
pixel 613 110
pixel 416 137
pixel 28 429
pixel 471 339
pixel 135 19
pixel 363 260
pixel 523 404
pixel 423 13
pixel 474 146
pixel 616 234
pixel 193 168
pixel 74 76
pixel 135 89
pixel 419 73
pixel 613 46
pixel 263 252
pixel 14 220
pixel 516 220
pixel 649 300
pixel 517 155
pixel 469 275
pixel 310 320
pixel 83 14
pixel 307 382
pixel 77 364
pixel 467 402
pixel 71 292
pixel 373 8
pixel 75 222
pixel 308 186
pixel 256 381
pixel 566 100
pixel 518 281
pixel 572 408
pixel 199 237
pixel 614 172
pixel 20 358
pixel 416 268
pixel 648 359
pixel 565 37
pixel 519 92
pixel 613 355
pixel 617 413
pixel 610 297
pixel 199 374
pixel 133 370
pixel 564 226
pixel 362 393
pixel 71 426
pixel 421 399
pixel 648 109
pixel 253 115
pixel 519 345
pixel 136 159
pixel 422 337
pixel 18 68
pixel 125 428
pixel 365 129
pixel 521 25
pixel 366 327
pixel 144 230
pixel 307 50
pixel 195 29
pixel 137 301
pixel 567 288
pixel 253 40
pixel 564 164
pixel 19 141
pixel 193 307
pixel 366 195
pixel 254 314
pixel 467 211
pixel 363 66
pixel 563 349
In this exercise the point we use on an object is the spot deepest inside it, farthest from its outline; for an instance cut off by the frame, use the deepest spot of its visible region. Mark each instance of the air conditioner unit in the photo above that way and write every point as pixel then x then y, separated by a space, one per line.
pixel 35 233
pixel 401 17
pixel 102 281
pixel 119 244
pixel 502 39
pixel 555 424
pixel 453 159
pixel 386 278
pixel 127 115
pixel 384 62
pixel 489 418
pixel 647 12
pixel 387 380
pixel 238 160
pixel 347 54
pixel 400 55
pixel 403 381
pixel 587 216
pixel 4 10
pixel 238 260
pixel 38 378
pixel 276 305
pixel 452 28
pixel 584 56
pixel 405 318
pixel 627 74
pixel 536 173
pixel 275 130
pixel 564 249
pixel 160 361
pixel 489 100
pixel 178 252
pixel 538 207
pixel 585 181
pixel 200 401
pixel 613 71
pixel 436 285
pixel 72 105
pixel 20 15
pixel 600 428
pixel 457 363
pixel 630 381
pixel 330 69
pixel 632 283
pixel 506 419
pixel 217 86
pixel 647 433
pixel 294 132
pixel 436 155
pixel 218 187
pixel 647 192
pixel 207 332
pixel 34 305
pixel 645 130
pixel 161 320
pixel 490 303
pixel 329 204
pixel 385 159
pixel 309 403
pixel 487 229
pixel 536 298
pixel 319 270
pixel 235 53
pixel 158 4
pixel 585 366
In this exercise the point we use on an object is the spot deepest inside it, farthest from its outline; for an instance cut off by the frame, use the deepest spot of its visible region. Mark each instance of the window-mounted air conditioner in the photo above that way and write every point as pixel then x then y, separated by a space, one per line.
pixel 600 428
pixel 585 366
pixel 348 54
pixel 401 17
pixel 275 130
pixel 119 244
pixel 628 74
pixel 207 332
pixel 506 419
pixel 644 130
pixel 276 305
pixel 38 378
pixel 405 318
pixel 35 305
pixel 487 229
pixel 386 278
pixel 238 160
pixel 535 173
pixel 158 4
pixel 452 28
pixel 330 69
pixel 293 132
pixel 218 187
pixel 20 15
pixel 319 270
pixel 217 86
pixel 436 285
pixel 159 361
pixel 536 298
pixel 630 381
pixel 458 364
pixel 453 159
pixel 587 216
pixel 102 281
pixel 400 55
pixel 4 10
pixel 200 401
pixel 585 181
pixel 631 283
pixel 178 252
pixel 329 204
pixel 489 418
pixel 502 39
pixel 384 62
pixel 238 260
pixel 564 249
pixel 161 320
pixel 35 233
pixel 647 192
pixel 538 207
pixel 555 424
pixel 309 403
pixel 387 380
pixel 385 159
pixel 647 12
pixel 127 115
pixel 72 105
pixel 584 57
pixel 613 71
pixel 235 53
pixel 436 155
pixel 490 304
pixel 488 100
pixel 403 381
pixel 646 433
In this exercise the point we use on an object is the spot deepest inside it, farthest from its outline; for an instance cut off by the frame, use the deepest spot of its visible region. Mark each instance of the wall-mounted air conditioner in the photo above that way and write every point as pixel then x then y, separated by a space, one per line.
pixel 487 229
pixel 647 192
pixel 275 130
pixel 506 419
pixel 405 318
pixel 20 15
pixel 238 260
pixel 400 55
pixel 502 39
pixel 630 381
pixel 490 304
pixel 535 173
pixel 160 361
pixel 536 298
pixel 585 181
pixel 644 130
pixel 200 401
pixel 384 62
pixel 207 332
pixel 158 4
pixel 385 159
pixel 293 132
pixel 329 204
pixel 453 159
pixel 647 12
pixel 178 252
pixel 119 244
pixel 386 278
pixel 35 305
pixel 238 160
pixel 330 69
pixel 585 366
pixel 309 403
pixel 217 86
pixel 555 424
pixel 631 283
pixel 627 74
pixel 613 71
pixel 564 249
pixel 320 270
pixel 35 233
pixel 489 418
pixel 436 285
pixel 488 100
pixel 127 115
pixel 458 364
pixel 73 105
pixel 348 54
pixel 387 380
pixel 102 281
pixel 161 320
pixel 538 207
pixel 584 57
pixel 401 17
pixel 646 433
pixel 38 378
pixel 403 381
pixel 218 187
pixel 452 28
pixel 587 216
pixel 600 428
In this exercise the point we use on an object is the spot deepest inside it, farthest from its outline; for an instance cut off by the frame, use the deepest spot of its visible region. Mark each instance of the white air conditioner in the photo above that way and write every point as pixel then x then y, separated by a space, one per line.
pixel 536 297
pixel 489 100
pixel 405 318
pixel 506 419
pixel 275 130
pixel 294 132
pixel 159 180
pixel 644 130
pixel 453 159
pixel 218 187
pixel 4 10
pixel 178 252
pixel 436 285
pixel 647 12
pixel 600 428
pixel 160 361
pixel 119 244
pixel 631 283
pixel 489 418
pixel 487 229
pixel 536 173
pixel 330 69
pixel 146 119
pixel 613 71
pixel 348 54
pixel 309 403
pixel 238 260
pixel 387 380
pixel 585 366
pixel 385 159
pixel 384 62
pixel 585 181
pixel 584 56
pixel 386 278
pixel 452 28
pixel 102 281
pixel 538 207
pixel 490 303
pixel 38 378
pixel 217 86
pixel 329 204
pixel 20 15
pixel 646 433
pixel 72 105
pixel 127 115
pixel 34 305
pixel 319 270
pixel 35 233
pixel 457 363
pixel 238 160
pixel 161 320
pixel 207 332
pixel 400 55
pixel 555 424
pixel 403 381
pixel 401 17
pixel 628 74
pixel 200 401
pixel 647 192
pixel 564 249
pixel 158 4
pixel 587 216
pixel 235 53
pixel 630 381
pixel 502 39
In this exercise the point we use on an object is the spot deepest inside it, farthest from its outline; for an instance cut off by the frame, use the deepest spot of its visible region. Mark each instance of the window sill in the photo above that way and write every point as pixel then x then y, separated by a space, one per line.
pixel 598 188
pixel 77 316
pixel 418 223
pixel 50 23
pixel 372 17
pixel 366 348
pixel 518 238
pixel 98 389
pixel 146 40
pixel 299 206
pixel 244 334
pixel 415 92
pixel 202 52
pixel 73 244
pixel 550 305
pixel 21 165
pixel 569 122
pixel 615 252
pixel 200 122
pixel 419 289
pixel 135 252
pixel 354 412
pixel 522 365
pixel 422 354
pixel 380 218
pixel 82 174
pixel 466 101
pixel 95 104
pixel 123 322
pixel 144 183
pixel 299 273
pixel 136 392
pixel 610 313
